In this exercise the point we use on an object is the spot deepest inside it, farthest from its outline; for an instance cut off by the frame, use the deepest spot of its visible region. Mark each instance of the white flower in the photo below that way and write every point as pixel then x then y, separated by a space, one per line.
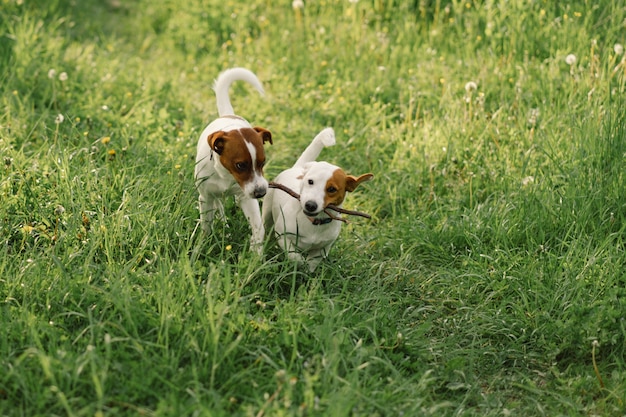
pixel 470 86
pixel 63 76
pixel 528 180
pixel 52 73
pixel 570 59
pixel 353 1
pixel 59 119
pixel 533 115
pixel 618 48
pixel 297 4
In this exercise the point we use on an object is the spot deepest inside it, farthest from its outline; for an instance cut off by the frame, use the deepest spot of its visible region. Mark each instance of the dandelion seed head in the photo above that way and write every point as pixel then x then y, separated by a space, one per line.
pixel 533 115
pixel 59 119
pixel 59 210
pixel 470 86
pixel 570 59
pixel 618 48
pixel 297 4
pixel 63 76
pixel 52 73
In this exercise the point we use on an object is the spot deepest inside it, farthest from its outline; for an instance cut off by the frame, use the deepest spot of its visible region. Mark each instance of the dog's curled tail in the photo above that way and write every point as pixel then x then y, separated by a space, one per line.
pixel 323 139
pixel 223 82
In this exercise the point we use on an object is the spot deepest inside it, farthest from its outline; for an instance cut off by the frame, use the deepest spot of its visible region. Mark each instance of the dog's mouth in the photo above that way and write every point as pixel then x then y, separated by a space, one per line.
pixel 319 220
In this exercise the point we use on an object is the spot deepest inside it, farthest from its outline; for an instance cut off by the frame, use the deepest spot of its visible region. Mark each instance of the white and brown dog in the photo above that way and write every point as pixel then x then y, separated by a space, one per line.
pixel 230 160
pixel 303 229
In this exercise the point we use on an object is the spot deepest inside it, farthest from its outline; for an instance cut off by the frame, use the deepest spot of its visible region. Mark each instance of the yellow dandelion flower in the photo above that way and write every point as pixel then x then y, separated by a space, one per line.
pixel 229 247
pixel 111 152
pixel 105 140
pixel 27 228
pixel 177 166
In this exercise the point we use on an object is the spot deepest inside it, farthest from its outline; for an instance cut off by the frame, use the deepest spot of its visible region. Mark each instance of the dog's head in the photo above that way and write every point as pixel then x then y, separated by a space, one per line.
pixel 323 184
pixel 241 152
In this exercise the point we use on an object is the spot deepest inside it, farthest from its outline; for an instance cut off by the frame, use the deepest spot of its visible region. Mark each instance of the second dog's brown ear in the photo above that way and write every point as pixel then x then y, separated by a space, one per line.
pixel 265 134
pixel 216 141
pixel 352 182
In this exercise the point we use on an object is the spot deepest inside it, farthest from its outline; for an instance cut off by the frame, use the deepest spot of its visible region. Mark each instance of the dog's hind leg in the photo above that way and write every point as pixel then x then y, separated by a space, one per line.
pixel 323 139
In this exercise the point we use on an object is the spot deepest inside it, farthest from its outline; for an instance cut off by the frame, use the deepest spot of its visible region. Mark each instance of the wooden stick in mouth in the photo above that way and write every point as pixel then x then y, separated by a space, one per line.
pixel 328 207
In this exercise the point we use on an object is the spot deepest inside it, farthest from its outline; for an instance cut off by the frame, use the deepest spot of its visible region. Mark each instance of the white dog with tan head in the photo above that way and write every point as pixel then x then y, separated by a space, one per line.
pixel 304 227
pixel 230 160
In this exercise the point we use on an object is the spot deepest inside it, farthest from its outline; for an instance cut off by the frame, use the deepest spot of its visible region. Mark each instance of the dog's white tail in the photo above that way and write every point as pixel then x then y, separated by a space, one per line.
pixel 223 82
pixel 323 139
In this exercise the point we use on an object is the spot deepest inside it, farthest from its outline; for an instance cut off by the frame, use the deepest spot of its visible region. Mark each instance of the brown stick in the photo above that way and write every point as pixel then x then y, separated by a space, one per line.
pixel 330 206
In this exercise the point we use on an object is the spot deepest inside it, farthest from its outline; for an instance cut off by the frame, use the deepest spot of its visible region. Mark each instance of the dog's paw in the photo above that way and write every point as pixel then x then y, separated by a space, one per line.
pixel 327 136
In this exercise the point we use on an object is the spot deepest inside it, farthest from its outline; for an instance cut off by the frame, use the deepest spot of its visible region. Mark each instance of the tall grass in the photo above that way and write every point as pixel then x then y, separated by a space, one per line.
pixel 488 282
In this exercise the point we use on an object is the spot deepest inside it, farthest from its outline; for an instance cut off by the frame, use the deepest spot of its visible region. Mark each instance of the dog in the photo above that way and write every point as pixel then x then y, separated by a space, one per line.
pixel 302 228
pixel 230 159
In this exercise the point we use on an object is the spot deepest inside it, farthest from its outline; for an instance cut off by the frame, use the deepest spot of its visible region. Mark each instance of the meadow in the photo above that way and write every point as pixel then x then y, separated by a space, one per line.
pixel 490 280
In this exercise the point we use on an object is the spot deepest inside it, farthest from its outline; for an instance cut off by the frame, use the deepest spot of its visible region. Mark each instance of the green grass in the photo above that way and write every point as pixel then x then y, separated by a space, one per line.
pixel 494 259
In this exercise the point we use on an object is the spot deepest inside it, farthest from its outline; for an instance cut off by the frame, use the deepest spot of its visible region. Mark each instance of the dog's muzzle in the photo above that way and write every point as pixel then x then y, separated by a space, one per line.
pixel 310 208
pixel 259 192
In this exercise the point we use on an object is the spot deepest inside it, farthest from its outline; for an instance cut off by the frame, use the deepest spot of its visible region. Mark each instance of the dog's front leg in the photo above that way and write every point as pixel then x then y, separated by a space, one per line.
pixel 209 207
pixel 314 257
pixel 252 212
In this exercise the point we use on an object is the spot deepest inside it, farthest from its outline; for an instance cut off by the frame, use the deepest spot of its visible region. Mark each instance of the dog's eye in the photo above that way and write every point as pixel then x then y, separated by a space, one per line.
pixel 241 166
pixel 310 182
pixel 331 190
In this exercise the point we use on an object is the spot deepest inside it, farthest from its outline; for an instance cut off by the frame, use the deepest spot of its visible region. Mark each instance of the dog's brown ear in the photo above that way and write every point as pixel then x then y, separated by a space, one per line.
pixel 216 141
pixel 265 134
pixel 352 182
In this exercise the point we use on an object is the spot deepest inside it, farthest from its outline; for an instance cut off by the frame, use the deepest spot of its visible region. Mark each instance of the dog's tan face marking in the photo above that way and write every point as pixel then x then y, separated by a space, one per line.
pixel 339 183
pixel 241 152
pixel 335 189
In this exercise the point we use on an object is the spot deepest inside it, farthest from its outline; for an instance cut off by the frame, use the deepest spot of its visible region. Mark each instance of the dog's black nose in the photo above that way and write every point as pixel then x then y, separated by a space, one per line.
pixel 310 206
pixel 259 192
